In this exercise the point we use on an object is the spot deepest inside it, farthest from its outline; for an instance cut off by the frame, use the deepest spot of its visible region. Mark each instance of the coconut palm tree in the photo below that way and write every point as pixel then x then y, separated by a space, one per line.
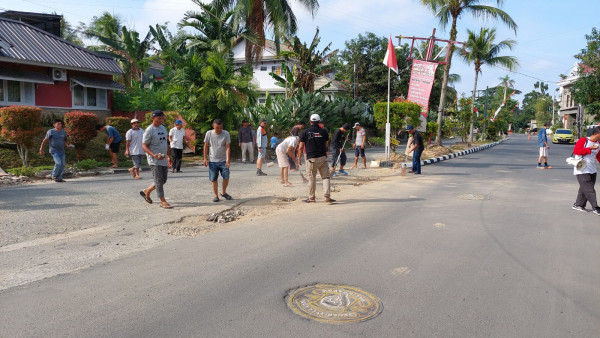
pixel 258 16
pixel 481 49
pixel 449 11
pixel 507 82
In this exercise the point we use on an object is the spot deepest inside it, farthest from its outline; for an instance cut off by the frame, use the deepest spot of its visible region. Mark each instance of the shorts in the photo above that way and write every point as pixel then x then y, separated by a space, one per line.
pixel 282 159
pixel 359 151
pixel 214 168
pixel 262 152
pixel 543 152
pixel 114 147
pixel 137 160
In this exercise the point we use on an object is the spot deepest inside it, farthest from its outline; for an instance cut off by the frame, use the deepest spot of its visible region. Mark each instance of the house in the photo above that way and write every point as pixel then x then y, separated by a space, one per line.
pixel 270 62
pixel 38 68
pixel 568 107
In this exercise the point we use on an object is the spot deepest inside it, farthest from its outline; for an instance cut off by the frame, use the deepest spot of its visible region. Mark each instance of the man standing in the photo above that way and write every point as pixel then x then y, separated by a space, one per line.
pixel 262 141
pixel 544 146
pixel 359 145
pixel 417 149
pixel 156 146
pixel 176 138
pixel 316 140
pixel 246 141
pixel 217 152
pixel 113 142
pixel 133 141
pixel 57 138
pixel 338 140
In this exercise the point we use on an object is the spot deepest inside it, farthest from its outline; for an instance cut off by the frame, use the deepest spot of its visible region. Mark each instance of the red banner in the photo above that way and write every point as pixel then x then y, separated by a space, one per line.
pixel 419 88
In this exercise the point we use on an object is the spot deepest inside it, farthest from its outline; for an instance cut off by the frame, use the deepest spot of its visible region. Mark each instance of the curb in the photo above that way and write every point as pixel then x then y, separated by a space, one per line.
pixel 453 155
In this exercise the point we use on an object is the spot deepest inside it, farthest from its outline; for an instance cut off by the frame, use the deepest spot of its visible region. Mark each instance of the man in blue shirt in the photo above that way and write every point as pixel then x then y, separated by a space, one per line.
pixel 57 138
pixel 113 142
pixel 544 146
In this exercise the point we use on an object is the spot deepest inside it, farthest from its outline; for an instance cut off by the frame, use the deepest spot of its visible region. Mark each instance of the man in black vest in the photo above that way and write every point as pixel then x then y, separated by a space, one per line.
pixel 316 140
pixel 417 149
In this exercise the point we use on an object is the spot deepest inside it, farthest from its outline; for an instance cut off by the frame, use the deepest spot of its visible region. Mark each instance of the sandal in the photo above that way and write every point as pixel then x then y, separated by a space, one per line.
pixel 227 196
pixel 146 197
pixel 166 206
pixel 309 200
pixel 216 199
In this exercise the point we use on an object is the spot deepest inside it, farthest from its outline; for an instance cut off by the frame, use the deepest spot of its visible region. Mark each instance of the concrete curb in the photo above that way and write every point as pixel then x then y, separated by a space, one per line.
pixel 453 155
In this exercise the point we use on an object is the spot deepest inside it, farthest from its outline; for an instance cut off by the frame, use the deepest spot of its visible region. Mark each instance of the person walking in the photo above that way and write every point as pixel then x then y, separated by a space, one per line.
pixel 176 139
pixel 57 139
pixel 337 141
pixel 359 145
pixel 544 146
pixel 154 143
pixel 286 150
pixel 586 148
pixel 316 141
pixel 246 141
pixel 113 143
pixel 417 149
pixel 262 141
pixel 133 142
pixel 217 154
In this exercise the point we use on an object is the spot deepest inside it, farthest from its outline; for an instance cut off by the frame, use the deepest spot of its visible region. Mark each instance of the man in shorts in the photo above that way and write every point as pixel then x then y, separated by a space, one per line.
pixel 544 146
pixel 262 141
pixel 113 142
pixel 155 144
pixel 217 152
pixel 133 141
pixel 359 145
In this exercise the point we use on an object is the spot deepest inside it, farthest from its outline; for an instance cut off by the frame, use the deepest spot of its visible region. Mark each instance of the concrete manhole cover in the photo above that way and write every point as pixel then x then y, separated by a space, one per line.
pixel 335 304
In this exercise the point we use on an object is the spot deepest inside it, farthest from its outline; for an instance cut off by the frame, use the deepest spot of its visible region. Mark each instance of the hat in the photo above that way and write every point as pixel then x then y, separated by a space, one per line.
pixel 134 121
pixel 409 127
pixel 178 121
pixel 244 121
pixel 547 124
pixel 157 113
pixel 263 120
pixel 346 126
pixel 356 125
pixel 315 118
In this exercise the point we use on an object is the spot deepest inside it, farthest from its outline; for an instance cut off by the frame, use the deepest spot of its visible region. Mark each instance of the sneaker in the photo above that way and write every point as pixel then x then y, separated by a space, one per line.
pixel 597 211
pixel 335 175
pixel 578 208
pixel 539 166
pixel 343 172
pixel 260 173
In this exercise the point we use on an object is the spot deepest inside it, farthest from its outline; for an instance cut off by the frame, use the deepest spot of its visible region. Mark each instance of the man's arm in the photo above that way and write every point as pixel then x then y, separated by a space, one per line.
pixel 42 146
pixel 127 144
pixel 227 154
pixel 362 146
pixel 205 151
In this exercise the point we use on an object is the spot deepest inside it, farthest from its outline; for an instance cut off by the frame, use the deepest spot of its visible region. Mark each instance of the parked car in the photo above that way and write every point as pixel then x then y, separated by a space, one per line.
pixel 563 136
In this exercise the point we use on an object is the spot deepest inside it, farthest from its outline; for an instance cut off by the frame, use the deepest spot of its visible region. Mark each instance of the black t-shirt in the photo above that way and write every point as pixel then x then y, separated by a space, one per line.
pixel 337 140
pixel 315 140
pixel 419 139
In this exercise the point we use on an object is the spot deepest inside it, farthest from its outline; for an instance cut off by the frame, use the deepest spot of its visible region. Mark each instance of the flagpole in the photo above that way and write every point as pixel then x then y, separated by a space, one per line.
pixel 387 124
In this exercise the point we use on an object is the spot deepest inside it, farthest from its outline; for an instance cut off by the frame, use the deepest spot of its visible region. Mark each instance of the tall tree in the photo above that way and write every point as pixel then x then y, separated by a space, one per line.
pixel 449 11
pixel 586 90
pixel 507 82
pixel 106 26
pixel 260 16
pixel 481 49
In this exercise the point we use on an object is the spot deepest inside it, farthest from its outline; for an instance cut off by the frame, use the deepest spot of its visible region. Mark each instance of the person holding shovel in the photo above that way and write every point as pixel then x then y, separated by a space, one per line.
pixel 286 148
pixel 338 141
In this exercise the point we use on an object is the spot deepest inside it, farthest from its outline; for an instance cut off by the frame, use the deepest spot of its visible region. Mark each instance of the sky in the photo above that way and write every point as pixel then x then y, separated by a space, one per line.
pixel 549 34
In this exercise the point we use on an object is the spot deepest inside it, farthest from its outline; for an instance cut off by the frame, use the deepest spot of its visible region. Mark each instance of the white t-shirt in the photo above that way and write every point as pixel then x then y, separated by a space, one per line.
pixel 290 141
pixel 360 137
pixel 590 160
pixel 135 138
pixel 177 137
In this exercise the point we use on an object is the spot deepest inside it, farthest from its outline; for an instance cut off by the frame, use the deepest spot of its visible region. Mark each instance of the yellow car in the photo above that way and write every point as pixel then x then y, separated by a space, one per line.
pixel 563 136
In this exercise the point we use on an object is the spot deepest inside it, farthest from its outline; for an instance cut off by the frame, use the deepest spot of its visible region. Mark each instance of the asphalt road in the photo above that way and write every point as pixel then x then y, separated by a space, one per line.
pixel 484 245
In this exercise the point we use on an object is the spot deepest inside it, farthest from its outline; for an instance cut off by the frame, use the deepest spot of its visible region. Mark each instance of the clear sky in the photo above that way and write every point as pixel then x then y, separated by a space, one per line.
pixel 550 32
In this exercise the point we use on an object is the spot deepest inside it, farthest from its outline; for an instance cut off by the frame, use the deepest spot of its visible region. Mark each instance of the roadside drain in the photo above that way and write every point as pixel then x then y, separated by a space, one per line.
pixel 333 304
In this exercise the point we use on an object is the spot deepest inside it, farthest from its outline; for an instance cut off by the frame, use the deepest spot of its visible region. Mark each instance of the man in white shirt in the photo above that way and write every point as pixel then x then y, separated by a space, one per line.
pixel 359 145
pixel 133 139
pixel 176 138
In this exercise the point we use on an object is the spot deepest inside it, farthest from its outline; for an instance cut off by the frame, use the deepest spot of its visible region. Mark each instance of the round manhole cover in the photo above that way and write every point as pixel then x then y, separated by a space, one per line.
pixel 330 303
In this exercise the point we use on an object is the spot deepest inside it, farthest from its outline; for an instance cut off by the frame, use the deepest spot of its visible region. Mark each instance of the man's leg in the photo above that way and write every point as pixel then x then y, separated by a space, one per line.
pixel 364 157
pixel 57 164
pixel 324 173
pixel 342 160
pixel 225 175
pixel 586 191
pixel 311 172
pixel 63 164
pixel 244 149
pixel 417 161
pixel 179 159
pixel 251 151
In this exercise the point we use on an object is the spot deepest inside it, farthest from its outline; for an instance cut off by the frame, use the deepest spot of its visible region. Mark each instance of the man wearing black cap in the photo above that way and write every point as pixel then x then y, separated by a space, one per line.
pixel 246 141
pixel 155 144
pixel 337 142
pixel 417 149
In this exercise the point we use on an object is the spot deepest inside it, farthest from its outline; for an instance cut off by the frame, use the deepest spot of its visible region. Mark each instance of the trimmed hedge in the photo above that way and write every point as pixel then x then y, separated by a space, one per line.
pixel 400 113
pixel 122 124
pixel 21 124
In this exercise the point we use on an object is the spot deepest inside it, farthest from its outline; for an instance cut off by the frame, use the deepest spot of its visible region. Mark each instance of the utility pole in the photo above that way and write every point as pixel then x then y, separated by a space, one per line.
pixel 354 86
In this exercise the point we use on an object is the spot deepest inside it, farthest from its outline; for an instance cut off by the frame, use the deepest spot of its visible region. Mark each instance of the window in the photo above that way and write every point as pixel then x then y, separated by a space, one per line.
pixel 263 68
pixel 276 70
pixel 16 92
pixel 262 101
pixel 87 97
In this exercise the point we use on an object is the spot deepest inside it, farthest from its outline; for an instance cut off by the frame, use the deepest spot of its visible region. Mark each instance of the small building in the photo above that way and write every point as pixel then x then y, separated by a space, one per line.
pixel 569 108
pixel 38 68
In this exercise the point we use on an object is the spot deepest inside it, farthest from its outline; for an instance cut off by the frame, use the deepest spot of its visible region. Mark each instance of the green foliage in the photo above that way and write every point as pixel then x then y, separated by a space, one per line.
pixel 138 98
pixel 586 90
pixel 464 118
pixel 21 124
pixel 89 164
pixel 28 171
pixel 401 114
pixel 431 130
pixel 81 129
pixel 543 110
pixel 122 124
pixel 170 117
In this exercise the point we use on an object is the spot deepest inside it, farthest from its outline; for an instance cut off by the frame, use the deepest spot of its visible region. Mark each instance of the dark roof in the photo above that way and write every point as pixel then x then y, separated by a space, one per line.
pixel 47 22
pixel 97 83
pixel 25 44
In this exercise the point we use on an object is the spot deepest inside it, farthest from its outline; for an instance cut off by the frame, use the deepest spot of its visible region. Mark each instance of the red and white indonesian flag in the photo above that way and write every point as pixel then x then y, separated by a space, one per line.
pixel 390 57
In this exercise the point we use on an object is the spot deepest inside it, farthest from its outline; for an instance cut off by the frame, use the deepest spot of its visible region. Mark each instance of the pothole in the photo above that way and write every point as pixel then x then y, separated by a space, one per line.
pixel 473 197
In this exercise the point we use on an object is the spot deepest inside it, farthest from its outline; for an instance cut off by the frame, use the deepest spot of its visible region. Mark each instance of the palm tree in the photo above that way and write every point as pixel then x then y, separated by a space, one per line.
pixel 106 26
pixel 451 10
pixel 258 16
pixel 507 82
pixel 481 49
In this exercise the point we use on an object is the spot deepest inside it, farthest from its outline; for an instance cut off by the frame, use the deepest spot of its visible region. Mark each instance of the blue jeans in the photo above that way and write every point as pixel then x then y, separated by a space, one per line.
pixel 214 168
pixel 60 162
pixel 416 162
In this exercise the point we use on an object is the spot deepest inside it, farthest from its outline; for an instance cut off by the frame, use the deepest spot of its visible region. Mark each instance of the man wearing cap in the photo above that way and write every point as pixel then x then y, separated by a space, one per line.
pixel 338 140
pixel 262 141
pixel 113 143
pixel 246 141
pixel 156 146
pixel 133 141
pixel 359 145
pixel 316 140
pixel 176 139
pixel 417 149
pixel 217 154
pixel 544 146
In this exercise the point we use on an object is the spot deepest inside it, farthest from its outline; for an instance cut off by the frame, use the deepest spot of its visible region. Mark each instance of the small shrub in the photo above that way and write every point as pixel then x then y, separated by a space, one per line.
pixel 21 124
pixel 401 113
pixel 22 171
pixel 81 129
pixel 88 164
pixel 122 124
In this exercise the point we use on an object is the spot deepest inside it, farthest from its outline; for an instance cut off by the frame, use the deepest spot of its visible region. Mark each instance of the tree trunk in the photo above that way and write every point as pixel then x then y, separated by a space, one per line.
pixel 473 106
pixel 23 153
pixel 441 108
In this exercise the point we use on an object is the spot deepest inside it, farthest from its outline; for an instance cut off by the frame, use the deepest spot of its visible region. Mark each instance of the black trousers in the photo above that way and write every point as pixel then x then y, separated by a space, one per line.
pixel 336 155
pixel 176 154
pixel 586 190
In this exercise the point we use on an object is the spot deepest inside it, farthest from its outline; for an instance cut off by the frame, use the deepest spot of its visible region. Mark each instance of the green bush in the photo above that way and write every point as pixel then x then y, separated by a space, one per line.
pixel 81 129
pixel 122 124
pixel 401 113
pixel 28 171
pixel 21 124
pixel 88 164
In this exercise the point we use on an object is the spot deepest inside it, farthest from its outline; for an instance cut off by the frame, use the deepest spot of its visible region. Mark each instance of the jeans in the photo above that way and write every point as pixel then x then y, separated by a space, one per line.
pixel 60 162
pixel 416 161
